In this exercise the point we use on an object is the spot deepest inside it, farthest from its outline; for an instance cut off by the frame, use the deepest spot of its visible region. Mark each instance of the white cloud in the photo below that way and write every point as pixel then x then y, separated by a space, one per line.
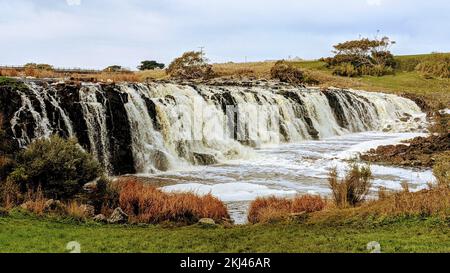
pixel 73 2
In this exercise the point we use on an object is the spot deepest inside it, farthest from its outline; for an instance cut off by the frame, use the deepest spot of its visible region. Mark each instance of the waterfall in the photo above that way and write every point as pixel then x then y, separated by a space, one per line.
pixel 94 114
pixel 43 127
pixel 150 153
pixel 163 126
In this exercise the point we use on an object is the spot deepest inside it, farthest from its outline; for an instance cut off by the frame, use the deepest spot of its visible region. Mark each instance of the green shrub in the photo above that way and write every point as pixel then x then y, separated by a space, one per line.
pixel 346 70
pixel 407 64
pixel 59 166
pixel 105 195
pixel 441 169
pixel 362 57
pixel 377 70
pixel 439 69
pixel 6 166
pixel 286 72
pixel 191 65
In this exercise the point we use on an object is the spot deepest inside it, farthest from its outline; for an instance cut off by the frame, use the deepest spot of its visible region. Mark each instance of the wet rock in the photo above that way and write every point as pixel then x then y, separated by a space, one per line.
pixel 204 159
pixel 419 153
pixel 54 206
pixel 118 217
pixel 161 160
pixel 206 222
pixel 100 218
pixel 88 210
pixel 91 186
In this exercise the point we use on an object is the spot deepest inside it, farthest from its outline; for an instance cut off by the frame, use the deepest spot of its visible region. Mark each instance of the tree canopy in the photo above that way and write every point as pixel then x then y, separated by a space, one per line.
pixel 150 65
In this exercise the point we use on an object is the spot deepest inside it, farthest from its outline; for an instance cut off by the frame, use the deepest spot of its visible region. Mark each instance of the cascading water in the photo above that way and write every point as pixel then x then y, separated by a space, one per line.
pixel 257 140
pixel 168 126
pixel 149 150
pixel 94 114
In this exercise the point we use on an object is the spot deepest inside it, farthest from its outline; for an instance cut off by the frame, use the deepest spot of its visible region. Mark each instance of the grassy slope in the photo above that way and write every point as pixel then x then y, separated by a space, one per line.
pixel 21 233
pixel 434 90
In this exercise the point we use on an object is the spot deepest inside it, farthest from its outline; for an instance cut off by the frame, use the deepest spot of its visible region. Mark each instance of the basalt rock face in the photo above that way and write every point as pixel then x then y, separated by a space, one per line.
pixel 144 128
pixel 418 152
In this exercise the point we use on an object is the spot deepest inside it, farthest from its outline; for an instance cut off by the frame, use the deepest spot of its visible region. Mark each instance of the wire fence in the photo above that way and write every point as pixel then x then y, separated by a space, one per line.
pixel 55 69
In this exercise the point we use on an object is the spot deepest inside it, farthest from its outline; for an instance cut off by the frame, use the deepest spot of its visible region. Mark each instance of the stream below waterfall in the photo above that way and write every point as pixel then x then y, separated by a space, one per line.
pixel 290 169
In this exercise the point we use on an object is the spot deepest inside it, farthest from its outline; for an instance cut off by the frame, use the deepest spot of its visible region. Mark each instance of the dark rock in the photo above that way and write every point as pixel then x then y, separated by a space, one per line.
pixel 88 210
pixel 161 160
pixel 419 153
pixel 204 159
pixel 54 206
pixel 100 218
pixel 118 217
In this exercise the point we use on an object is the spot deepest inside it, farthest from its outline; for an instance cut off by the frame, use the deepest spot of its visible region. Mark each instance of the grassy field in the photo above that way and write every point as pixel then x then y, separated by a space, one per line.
pixel 25 233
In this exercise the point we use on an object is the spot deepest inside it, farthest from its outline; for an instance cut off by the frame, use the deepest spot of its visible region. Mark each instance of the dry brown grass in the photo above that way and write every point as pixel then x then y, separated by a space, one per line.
pixel 425 203
pixel 9 72
pixel 35 201
pixel 10 194
pixel 351 190
pixel 76 210
pixel 257 69
pixel 441 169
pixel 147 204
pixel 273 209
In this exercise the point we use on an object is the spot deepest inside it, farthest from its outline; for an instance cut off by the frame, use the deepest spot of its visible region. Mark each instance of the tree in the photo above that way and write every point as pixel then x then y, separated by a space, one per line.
pixel 191 65
pixel 150 65
pixel 114 68
pixel 286 72
pixel 362 57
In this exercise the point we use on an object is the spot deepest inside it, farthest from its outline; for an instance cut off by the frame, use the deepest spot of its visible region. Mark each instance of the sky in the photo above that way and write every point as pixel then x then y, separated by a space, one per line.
pixel 98 33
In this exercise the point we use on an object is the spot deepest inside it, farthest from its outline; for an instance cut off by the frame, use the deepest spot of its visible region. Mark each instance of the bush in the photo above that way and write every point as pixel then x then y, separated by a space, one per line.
pixel 6 167
pixel 59 166
pixel 191 65
pixel 10 194
pixel 147 204
pixel 346 70
pixel 273 209
pixel 150 65
pixel 352 190
pixel 430 69
pixel 441 169
pixel 362 57
pixel 286 72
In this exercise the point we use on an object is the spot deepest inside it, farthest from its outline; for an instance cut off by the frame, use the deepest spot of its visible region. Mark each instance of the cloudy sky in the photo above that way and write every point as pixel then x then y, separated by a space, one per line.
pixel 97 33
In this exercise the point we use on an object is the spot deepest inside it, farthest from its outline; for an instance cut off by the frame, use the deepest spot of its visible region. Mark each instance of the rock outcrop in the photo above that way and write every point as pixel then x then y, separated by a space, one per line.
pixel 418 152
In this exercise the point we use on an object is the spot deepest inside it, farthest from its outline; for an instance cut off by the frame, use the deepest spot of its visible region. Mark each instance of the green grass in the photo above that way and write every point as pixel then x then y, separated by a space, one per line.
pixel 436 91
pixel 12 83
pixel 21 233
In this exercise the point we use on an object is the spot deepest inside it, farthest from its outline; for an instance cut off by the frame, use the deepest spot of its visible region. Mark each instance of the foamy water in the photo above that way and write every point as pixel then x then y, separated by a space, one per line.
pixel 290 169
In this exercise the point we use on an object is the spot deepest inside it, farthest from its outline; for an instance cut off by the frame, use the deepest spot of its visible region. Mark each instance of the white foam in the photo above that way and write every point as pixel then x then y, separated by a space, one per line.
pixel 230 192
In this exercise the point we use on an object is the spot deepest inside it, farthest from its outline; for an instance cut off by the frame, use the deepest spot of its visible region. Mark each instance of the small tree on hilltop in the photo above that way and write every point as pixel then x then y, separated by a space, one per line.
pixel 150 65
pixel 365 56
pixel 286 72
pixel 114 68
pixel 191 65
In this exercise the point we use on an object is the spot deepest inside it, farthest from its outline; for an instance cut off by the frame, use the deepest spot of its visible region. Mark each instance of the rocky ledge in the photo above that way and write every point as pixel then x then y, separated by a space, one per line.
pixel 418 152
